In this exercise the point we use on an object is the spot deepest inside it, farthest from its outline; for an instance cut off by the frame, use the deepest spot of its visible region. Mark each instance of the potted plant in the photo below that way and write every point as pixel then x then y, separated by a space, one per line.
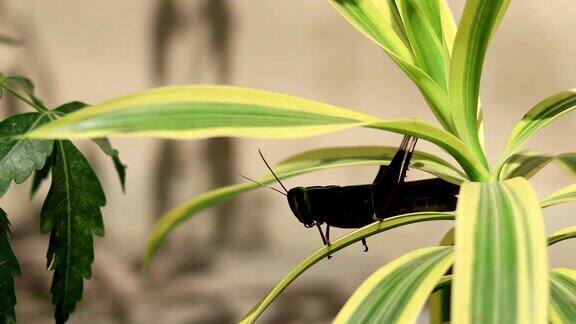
pixel 493 266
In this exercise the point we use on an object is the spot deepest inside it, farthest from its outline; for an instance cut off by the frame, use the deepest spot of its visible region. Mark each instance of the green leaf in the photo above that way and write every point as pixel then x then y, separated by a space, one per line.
pixel 22 88
pixel 448 25
pixel 4 39
pixel 71 214
pixel 374 18
pixel 41 175
pixel 501 265
pixel 204 111
pixel 70 107
pixel 424 31
pixel 537 118
pixel 337 245
pixel 562 296
pixel 398 291
pixel 568 162
pixel 364 156
pixel 302 163
pixel 9 269
pixel 562 235
pixel 448 142
pixel 433 16
pixel 19 157
pixel 103 143
pixel 527 163
pixel 106 146
pixel 392 14
pixel 524 164
pixel 209 111
pixel 440 299
pixel 562 196
pixel 477 25
pixel 377 20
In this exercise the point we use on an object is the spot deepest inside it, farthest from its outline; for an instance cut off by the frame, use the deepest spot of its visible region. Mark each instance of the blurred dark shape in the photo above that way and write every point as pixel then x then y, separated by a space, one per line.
pixel 166 170
pixel 164 27
pixel 220 153
pixel 220 21
pixel 10 103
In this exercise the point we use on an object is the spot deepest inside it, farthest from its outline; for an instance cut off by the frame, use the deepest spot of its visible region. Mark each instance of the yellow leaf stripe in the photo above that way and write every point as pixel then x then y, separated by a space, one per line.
pixel 204 111
pixel 562 235
pixel 500 273
pixel 562 296
pixel 398 291
pixel 374 19
pixel 541 115
pixel 562 196
pixel 207 111
pixel 479 22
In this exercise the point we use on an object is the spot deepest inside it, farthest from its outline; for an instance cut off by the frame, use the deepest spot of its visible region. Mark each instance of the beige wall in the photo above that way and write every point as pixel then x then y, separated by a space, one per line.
pixel 94 50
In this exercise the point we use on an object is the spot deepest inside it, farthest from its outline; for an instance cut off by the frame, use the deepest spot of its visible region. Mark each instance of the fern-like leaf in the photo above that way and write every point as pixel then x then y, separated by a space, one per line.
pixel 71 214
pixel 9 269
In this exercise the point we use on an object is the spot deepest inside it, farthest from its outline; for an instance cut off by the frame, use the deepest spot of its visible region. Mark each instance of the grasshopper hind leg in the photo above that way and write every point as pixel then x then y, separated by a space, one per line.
pixel 365 245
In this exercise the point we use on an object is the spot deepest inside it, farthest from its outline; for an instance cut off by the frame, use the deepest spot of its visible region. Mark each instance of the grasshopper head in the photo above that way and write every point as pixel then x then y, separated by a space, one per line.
pixel 300 205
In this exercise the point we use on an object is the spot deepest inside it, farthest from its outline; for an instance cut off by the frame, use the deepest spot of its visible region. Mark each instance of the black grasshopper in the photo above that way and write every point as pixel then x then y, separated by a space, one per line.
pixel 359 205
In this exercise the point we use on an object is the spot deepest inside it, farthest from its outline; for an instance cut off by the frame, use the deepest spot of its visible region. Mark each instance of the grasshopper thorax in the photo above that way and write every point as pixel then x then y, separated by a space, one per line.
pixel 300 205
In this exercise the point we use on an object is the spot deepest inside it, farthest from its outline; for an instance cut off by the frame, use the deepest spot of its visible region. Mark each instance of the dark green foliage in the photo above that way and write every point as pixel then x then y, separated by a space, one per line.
pixel 9 269
pixel 23 88
pixel 103 143
pixel 19 157
pixel 70 107
pixel 71 214
pixel 107 148
pixel 7 40
pixel 42 174
pixel 71 211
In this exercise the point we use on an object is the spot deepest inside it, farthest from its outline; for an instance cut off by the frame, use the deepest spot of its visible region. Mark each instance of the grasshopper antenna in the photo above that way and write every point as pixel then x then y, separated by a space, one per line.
pixel 269 168
pixel 263 185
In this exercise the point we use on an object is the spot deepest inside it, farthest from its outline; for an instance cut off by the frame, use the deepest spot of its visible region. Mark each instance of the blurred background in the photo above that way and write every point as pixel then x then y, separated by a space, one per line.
pixel 217 266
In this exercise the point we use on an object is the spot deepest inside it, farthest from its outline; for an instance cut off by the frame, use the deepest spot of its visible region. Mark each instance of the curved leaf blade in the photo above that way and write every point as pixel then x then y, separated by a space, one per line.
pixel 299 164
pixel 500 238
pixel 448 142
pixel 204 111
pixel 208 111
pixel 562 296
pixel 544 113
pixel 423 29
pixel 527 163
pixel 19 157
pixel 524 164
pixel 337 245
pixel 364 156
pixel 106 147
pixel 568 162
pixel 479 22
pixel 375 19
pixel 398 291
pixel 440 298
pixel 562 196
pixel 449 27
pixel 562 235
